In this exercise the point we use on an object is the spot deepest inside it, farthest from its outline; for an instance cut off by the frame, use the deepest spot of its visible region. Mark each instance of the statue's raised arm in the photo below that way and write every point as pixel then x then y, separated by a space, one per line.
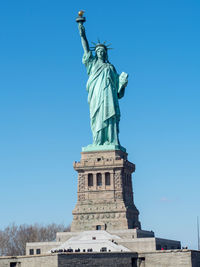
pixel 80 20
pixel 84 40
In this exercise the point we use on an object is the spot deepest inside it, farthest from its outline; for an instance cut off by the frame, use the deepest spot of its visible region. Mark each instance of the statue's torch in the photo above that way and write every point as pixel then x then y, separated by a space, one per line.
pixel 80 18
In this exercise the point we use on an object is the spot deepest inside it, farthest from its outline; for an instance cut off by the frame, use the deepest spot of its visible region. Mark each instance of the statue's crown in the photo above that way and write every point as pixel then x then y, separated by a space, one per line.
pixel 99 44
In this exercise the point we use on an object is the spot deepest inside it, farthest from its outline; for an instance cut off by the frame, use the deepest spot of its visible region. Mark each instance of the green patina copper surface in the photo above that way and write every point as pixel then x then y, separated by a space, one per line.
pixel 105 86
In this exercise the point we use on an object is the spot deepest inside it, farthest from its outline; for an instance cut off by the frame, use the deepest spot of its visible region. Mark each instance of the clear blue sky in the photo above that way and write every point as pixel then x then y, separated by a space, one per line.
pixel 44 115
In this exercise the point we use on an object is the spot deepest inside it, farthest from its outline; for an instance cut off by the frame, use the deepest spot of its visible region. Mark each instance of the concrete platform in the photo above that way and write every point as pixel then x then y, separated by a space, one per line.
pixel 134 240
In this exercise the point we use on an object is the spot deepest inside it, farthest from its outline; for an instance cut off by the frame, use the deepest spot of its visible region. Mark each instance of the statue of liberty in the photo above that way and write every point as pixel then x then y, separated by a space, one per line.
pixel 104 87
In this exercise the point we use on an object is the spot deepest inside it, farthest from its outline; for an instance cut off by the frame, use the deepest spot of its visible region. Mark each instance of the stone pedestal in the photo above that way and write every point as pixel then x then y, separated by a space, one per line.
pixel 105 195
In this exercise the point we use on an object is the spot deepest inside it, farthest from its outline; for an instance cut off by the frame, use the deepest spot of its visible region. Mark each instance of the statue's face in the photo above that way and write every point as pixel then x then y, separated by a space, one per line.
pixel 101 53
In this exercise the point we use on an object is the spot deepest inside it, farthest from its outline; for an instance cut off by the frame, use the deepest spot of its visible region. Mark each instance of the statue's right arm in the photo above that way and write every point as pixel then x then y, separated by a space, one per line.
pixel 84 40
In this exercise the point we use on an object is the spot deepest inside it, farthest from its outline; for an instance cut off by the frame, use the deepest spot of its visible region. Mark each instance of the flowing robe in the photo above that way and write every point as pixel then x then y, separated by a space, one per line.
pixel 103 93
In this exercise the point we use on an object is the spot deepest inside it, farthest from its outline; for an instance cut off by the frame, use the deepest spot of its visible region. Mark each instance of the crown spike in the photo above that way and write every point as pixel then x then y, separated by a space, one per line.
pixel 106 46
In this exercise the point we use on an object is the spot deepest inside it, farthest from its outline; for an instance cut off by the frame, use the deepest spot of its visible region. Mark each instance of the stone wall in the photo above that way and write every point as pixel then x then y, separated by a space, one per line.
pixel 73 260
pixel 178 258
pixel 98 259
pixel 138 244
pixel 195 258
pixel 166 244
pixel 30 261
pixel 43 246
pixel 132 233
pixel 169 258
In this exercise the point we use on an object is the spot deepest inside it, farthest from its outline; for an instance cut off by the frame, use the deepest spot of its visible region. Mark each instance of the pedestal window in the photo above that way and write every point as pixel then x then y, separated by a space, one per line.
pixel 99 179
pixel 107 178
pixel 90 179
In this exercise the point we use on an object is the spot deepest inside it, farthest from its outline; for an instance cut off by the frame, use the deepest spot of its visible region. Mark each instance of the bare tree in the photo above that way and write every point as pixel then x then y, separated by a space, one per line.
pixel 13 238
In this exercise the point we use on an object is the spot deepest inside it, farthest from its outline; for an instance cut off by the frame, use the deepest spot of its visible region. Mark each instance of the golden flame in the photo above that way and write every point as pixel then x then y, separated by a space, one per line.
pixel 80 13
